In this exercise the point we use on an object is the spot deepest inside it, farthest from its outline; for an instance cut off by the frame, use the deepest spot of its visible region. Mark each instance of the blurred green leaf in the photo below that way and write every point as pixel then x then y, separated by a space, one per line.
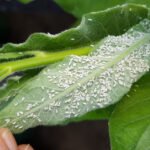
pixel 80 7
pixel 25 1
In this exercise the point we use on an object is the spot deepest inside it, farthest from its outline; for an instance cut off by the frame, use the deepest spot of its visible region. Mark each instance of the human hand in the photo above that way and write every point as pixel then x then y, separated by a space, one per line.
pixel 8 142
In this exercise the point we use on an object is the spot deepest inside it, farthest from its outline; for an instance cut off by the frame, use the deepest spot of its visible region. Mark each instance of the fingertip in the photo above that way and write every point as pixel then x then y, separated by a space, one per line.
pixel 25 147
pixel 8 138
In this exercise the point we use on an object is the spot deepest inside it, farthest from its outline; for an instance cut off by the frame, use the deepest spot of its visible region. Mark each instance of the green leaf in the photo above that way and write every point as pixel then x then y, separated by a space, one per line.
pixel 144 140
pixel 11 86
pixel 25 1
pixel 130 121
pixel 81 84
pixel 42 49
pixel 98 114
pixel 80 7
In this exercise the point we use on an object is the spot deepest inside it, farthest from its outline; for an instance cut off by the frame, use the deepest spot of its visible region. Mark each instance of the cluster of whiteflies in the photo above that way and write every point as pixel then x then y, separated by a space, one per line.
pixel 81 84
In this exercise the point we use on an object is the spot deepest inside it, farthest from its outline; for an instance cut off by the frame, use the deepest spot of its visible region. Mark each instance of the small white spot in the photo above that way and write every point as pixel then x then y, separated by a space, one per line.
pixel 72 39
pixel 89 19
pixel 7 121
pixel 92 45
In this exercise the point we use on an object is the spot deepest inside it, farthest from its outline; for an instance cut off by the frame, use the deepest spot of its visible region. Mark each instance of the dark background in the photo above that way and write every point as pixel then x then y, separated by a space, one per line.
pixel 17 22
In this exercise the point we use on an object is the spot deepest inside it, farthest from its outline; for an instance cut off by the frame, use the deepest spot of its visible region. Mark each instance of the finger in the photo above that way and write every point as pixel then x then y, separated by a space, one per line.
pixel 3 146
pixel 8 139
pixel 25 147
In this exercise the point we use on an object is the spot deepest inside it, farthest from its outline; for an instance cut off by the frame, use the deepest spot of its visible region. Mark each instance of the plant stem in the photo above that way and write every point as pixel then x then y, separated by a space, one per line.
pixel 40 59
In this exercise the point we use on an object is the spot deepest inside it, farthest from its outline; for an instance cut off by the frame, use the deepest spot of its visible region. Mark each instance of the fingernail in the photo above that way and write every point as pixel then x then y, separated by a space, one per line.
pixel 28 147
pixel 9 140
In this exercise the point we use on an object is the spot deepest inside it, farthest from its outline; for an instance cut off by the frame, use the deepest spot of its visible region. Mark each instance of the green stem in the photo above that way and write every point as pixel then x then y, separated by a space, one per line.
pixel 40 59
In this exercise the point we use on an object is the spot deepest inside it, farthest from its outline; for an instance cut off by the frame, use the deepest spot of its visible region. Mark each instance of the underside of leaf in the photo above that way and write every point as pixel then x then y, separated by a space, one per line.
pixel 80 84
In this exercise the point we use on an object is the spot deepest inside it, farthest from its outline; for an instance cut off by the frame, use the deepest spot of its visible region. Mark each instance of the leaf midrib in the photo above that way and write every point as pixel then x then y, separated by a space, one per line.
pixel 94 74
